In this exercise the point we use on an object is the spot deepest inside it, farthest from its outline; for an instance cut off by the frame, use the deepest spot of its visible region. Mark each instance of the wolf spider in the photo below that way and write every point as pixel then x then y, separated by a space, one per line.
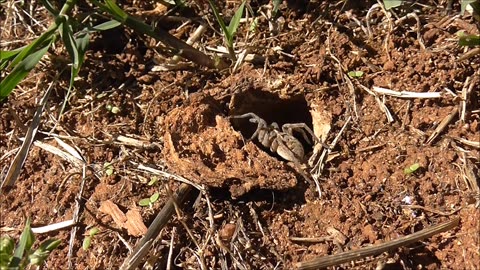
pixel 281 141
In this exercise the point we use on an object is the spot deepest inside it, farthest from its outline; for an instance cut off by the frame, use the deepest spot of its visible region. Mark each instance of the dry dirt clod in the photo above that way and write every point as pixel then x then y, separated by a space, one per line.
pixel 201 145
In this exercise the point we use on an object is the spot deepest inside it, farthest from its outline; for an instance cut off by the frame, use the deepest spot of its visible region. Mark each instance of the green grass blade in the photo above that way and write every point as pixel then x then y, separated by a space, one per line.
pixel 81 41
pixel 235 22
pixel 116 11
pixel 26 241
pixel 41 254
pixel 389 4
pixel 20 71
pixel 179 47
pixel 107 25
pixel 276 5
pixel 51 8
pixel 6 251
pixel 220 20
pixel 6 55
pixel 66 32
pixel 40 42
pixel 469 40
pixel 464 4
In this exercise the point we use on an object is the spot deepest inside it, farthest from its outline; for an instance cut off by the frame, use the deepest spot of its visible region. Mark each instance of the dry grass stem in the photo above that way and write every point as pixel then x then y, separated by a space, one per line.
pixel 466 90
pixel 311 239
pixel 352 255
pixel 53 227
pixel 405 94
pixel 438 212
pixel 191 40
pixel 381 103
pixel 441 127
pixel 470 54
pixel 474 144
pixel 419 34
pixel 367 19
pixel 317 169
pixel 140 144
pixel 170 250
pixel 78 163
pixel 143 247
pixel 167 175
pixel 76 217
pixel 21 156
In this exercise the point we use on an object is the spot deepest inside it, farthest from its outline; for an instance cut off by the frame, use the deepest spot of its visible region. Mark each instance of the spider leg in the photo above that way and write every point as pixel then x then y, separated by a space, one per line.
pixel 253 119
pixel 301 128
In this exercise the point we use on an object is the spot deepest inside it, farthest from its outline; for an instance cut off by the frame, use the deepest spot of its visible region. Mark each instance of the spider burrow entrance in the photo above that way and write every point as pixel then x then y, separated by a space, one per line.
pixel 281 127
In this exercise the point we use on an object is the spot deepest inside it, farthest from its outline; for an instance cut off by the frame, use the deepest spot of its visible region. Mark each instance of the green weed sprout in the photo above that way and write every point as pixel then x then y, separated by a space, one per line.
pixel 87 241
pixel 389 4
pixel 112 109
pixel 149 201
pixel 411 169
pixel 108 167
pixel 23 256
pixel 355 74
pixel 230 31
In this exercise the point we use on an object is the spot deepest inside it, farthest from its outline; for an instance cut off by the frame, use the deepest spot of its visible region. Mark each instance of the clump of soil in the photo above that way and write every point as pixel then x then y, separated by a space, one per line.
pixel 201 144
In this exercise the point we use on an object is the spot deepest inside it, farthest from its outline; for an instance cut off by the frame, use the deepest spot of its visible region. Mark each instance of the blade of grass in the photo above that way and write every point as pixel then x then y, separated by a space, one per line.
pixel 106 25
pixel 180 47
pixel 389 4
pixel 21 156
pixel 38 43
pixel 219 19
pixel 66 33
pixel 469 40
pixel 20 71
pixel 51 8
pixel 26 241
pixel 235 22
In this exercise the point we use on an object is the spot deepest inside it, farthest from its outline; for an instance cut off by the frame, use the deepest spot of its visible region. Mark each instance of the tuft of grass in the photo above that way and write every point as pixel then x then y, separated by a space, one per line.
pixel 230 30
pixel 75 35
pixel 23 256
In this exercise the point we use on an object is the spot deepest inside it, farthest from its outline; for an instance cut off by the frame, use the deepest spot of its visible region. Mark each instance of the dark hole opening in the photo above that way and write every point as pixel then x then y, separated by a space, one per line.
pixel 271 108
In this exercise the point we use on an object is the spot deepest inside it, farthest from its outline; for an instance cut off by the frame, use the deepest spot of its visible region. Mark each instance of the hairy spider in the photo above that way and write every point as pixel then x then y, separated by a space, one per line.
pixel 280 141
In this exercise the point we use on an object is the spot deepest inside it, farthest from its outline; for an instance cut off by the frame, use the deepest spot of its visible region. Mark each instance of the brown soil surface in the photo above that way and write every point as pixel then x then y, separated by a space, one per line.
pixel 255 201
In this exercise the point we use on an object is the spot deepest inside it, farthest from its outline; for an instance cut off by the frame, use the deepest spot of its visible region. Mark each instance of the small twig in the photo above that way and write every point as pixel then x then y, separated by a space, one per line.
pixel 142 248
pixel 76 217
pixel 21 156
pixel 53 227
pixel 467 142
pixel 438 212
pixel 370 148
pixel 167 175
pixel 312 239
pixel 357 21
pixel 406 94
pixel 125 242
pixel 318 168
pixel 466 90
pixel 170 251
pixel 352 255
pixel 442 125
pixel 367 18
pixel 191 40
pixel 469 54
pixel 419 35
pixel 381 104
